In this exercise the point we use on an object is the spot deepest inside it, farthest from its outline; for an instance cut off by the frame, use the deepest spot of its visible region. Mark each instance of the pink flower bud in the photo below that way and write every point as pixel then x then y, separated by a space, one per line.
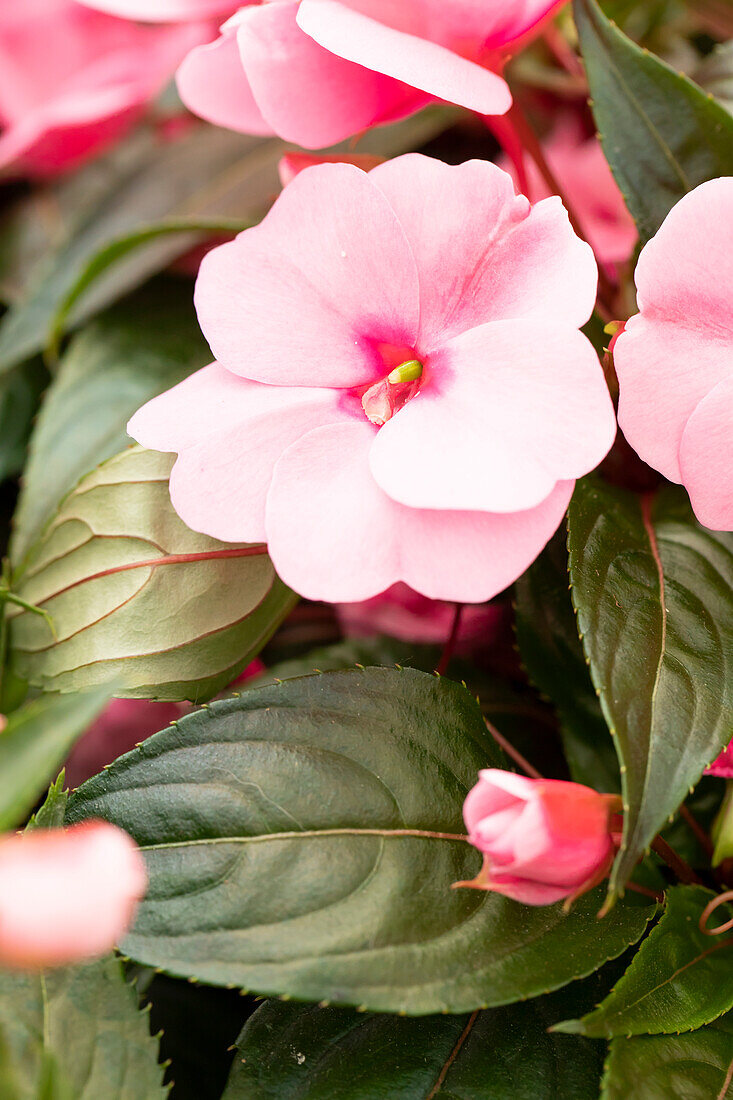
pixel 542 839
pixel 66 894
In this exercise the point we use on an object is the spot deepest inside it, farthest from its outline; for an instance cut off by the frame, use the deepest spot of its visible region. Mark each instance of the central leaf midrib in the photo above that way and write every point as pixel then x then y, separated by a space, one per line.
pixel 305 834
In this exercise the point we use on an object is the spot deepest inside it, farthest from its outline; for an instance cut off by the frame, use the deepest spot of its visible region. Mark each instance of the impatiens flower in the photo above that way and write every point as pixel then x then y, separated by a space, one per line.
pixel 582 172
pixel 401 392
pixel 722 766
pixel 404 614
pixel 674 360
pixel 292 164
pixel 318 71
pixel 73 79
pixel 66 895
pixel 542 839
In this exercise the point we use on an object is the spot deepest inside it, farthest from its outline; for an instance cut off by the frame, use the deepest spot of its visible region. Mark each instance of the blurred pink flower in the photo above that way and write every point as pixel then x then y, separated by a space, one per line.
pixel 722 766
pixel 66 895
pixel 317 71
pixel 165 11
pixel 674 359
pixel 292 164
pixel 74 80
pixel 582 172
pixel 402 393
pixel 542 839
pixel 404 614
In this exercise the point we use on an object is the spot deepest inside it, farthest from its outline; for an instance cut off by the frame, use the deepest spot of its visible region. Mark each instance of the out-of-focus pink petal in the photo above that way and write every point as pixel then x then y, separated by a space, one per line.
pixel 722 766
pixel 66 895
pixel 229 433
pixel 706 457
pixel 212 83
pixel 334 535
pixel 402 613
pixel 167 11
pixel 432 68
pixel 482 253
pixel 307 94
pixel 507 410
pixel 304 298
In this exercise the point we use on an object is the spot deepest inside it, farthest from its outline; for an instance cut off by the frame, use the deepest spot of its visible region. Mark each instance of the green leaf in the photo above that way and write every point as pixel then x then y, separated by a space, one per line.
pixel 140 347
pixel 34 744
pixel 76 1034
pixel 318 1053
pixel 553 656
pixel 136 596
pixel 654 596
pixel 662 135
pixel 51 814
pixel 679 980
pixel 278 860
pixel 695 1066
pixel 20 394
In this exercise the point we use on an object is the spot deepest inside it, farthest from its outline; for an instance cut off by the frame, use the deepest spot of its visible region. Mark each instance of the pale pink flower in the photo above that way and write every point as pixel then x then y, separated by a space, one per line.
pixel 401 392
pixel 404 614
pixel 317 71
pixel 292 164
pixel 66 895
pixel 582 171
pixel 73 80
pixel 674 360
pixel 542 839
pixel 165 11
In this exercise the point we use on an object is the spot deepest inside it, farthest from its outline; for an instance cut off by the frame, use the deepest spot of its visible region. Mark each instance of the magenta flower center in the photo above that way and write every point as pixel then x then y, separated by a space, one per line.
pixel 405 375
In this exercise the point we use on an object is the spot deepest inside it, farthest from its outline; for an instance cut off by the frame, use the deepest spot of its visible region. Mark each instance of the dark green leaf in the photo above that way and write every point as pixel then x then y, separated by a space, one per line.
pixel 552 653
pixel 316 1053
pixel 662 135
pixel 278 861
pixel 34 744
pixel 136 596
pixel 679 980
pixel 51 814
pixel 20 395
pixel 654 595
pixel 695 1066
pixel 76 1034
pixel 140 347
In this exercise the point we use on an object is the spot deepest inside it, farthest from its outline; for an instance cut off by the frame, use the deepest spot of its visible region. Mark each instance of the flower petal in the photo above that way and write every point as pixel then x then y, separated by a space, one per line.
pixel 414 60
pixel 308 94
pixel 706 458
pixel 507 410
pixel 212 83
pixel 165 11
pixel 304 298
pixel 482 253
pixel 334 535
pixel 229 433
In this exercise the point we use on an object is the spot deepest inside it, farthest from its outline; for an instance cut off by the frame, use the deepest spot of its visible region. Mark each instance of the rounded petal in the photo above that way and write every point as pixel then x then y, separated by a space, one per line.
pixel 166 11
pixel 664 370
pixel 229 432
pixel 66 895
pixel 307 94
pixel 506 411
pixel 685 272
pixel 482 252
pixel 524 890
pixel 212 83
pixel 334 535
pixel 423 64
pixel 706 458
pixel 404 614
pixel 304 298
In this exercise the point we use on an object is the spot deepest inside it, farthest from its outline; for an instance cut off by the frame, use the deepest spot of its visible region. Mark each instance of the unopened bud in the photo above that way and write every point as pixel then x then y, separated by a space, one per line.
pixel 409 371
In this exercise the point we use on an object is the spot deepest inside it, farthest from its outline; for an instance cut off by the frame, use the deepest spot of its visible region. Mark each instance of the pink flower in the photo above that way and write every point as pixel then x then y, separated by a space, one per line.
pixel 123 724
pixel 674 360
pixel 165 11
pixel 317 71
pixel 73 80
pixel 542 839
pixel 407 615
pixel 66 895
pixel 292 164
pixel 401 392
pixel 582 172
pixel 722 766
